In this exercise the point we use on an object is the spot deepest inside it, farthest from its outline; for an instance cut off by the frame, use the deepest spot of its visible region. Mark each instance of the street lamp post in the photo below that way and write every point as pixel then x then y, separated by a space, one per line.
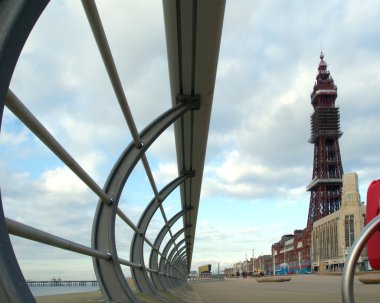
pixel 253 260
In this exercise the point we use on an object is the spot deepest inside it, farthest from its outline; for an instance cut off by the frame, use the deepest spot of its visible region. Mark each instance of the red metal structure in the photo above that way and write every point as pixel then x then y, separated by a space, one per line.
pixel 326 185
pixel 373 210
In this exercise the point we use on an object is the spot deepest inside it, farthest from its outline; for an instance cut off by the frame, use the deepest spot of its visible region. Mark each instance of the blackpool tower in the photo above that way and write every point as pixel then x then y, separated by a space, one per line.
pixel 326 184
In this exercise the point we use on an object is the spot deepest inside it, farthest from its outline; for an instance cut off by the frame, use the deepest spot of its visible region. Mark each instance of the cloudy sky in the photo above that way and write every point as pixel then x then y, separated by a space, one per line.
pixel 258 160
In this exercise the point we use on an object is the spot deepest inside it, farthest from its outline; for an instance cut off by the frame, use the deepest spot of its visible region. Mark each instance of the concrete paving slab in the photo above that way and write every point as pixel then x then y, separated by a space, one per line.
pixel 303 288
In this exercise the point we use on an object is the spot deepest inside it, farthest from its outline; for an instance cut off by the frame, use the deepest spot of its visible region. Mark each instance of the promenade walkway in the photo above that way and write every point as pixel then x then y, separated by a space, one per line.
pixel 304 288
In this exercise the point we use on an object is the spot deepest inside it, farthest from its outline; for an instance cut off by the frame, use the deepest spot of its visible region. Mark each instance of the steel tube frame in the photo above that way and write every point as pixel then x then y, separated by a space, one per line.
pixel 129 263
pixel 28 232
pixel 105 51
pixel 29 120
pixel 110 276
pixel 159 281
pixel 167 268
pixel 21 112
pixel 352 258
pixel 141 278
pixel 197 28
pixel 125 218
pixel 17 18
pixel 164 259
pixel 172 264
pixel 142 281
pixel 179 260
pixel 31 233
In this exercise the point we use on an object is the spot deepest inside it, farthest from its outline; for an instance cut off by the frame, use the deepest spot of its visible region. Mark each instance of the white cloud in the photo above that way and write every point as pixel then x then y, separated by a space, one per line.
pixel 13 138
pixel 166 172
pixel 62 180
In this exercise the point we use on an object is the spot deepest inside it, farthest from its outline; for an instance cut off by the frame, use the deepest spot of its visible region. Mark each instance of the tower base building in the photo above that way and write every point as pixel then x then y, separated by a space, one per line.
pixel 324 248
pixel 333 235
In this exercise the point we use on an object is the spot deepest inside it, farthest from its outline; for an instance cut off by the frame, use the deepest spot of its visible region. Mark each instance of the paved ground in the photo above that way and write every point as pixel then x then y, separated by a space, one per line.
pixel 83 297
pixel 304 288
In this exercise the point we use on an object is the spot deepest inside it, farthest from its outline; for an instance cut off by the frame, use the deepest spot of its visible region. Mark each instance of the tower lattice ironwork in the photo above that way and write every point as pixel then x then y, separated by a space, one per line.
pixel 326 185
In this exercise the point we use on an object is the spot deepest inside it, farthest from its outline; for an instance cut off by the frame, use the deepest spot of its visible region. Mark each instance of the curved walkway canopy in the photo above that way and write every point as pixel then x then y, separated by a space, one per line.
pixel 193 33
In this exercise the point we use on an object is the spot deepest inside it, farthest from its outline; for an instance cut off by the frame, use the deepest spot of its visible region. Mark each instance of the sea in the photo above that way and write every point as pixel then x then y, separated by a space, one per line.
pixel 38 291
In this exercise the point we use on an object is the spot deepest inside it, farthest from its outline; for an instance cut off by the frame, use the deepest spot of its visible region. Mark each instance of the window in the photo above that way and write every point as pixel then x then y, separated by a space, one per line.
pixel 349 230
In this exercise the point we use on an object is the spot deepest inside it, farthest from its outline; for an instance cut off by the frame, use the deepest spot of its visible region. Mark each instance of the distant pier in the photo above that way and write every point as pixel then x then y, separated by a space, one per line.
pixel 58 282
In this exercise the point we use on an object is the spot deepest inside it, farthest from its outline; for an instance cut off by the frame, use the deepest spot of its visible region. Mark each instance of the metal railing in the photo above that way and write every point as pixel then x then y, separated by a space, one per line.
pixel 202 278
pixel 167 266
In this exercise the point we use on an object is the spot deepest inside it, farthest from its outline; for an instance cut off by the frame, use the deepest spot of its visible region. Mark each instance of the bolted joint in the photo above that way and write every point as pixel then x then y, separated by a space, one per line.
pixel 195 100
pixel 139 145
pixel 189 173
pixel 110 201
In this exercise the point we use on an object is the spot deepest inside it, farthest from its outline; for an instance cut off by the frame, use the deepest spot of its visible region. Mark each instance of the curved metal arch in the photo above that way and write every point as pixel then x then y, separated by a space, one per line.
pixel 164 259
pixel 157 279
pixel 27 12
pixel 172 273
pixel 177 262
pixel 180 258
pixel 367 232
pixel 109 274
pixel 180 261
pixel 142 281
pixel 174 254
pixel 170 264
pixel 17 18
